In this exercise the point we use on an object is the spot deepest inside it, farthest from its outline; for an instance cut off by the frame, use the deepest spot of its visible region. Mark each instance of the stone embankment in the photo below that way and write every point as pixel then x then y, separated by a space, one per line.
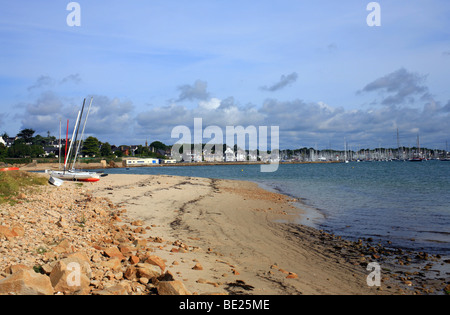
pixel 64 241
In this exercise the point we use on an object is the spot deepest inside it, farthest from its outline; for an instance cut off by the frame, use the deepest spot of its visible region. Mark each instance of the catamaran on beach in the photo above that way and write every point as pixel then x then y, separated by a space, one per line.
pixel 57 176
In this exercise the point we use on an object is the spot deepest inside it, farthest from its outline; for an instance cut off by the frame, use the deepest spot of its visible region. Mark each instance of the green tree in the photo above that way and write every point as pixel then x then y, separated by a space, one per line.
pixel 142 151
pixel 3 151
pixel 158 145
pixel 26 135
pixel 91 146
pixel 119 153
pixel 106 149
pixel 39 140
pixel 36 151
pixel 19 149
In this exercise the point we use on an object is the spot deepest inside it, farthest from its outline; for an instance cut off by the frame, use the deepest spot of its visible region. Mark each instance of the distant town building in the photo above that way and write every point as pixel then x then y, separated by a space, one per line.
pixel 141 162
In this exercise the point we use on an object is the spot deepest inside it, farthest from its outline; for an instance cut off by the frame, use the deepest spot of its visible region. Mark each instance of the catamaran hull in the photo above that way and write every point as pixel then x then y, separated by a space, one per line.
pixel 75 176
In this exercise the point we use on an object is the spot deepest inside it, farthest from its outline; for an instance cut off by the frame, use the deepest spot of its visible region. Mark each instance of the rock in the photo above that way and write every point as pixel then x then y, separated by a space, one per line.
pixel 126 250
pixel 148 271
pixel 143 280
pixel 283 271
pixel 62 223
pixel 47 268
pixel 26 282
pixel 140 243
pixel 18 230
pixel 69 277
pixel 197 267
pixel 6 232
pixel 166 277
pixel 157 261
pixel 114 252
pixel 130 273
pixel 113 264
pixel 15 268
pixel 137 223
pixel 292 275
pixel 118 289
pixel 63 247
pixel 134 260
pixel 172 288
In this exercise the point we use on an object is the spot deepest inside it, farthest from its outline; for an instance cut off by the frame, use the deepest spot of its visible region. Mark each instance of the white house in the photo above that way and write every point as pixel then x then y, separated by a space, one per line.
pixel 229 155
pixel 241 156
pixel 212 157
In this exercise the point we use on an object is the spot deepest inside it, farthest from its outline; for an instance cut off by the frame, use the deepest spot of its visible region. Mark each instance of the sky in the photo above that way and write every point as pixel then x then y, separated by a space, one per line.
pixel 315 69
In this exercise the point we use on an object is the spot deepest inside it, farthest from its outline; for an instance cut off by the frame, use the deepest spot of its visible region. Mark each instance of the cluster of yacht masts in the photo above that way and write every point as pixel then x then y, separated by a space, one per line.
pixel 400 153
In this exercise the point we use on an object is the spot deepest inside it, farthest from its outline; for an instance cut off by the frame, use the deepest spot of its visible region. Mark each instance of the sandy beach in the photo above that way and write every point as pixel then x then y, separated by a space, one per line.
pixel 239 246
pixel 206 235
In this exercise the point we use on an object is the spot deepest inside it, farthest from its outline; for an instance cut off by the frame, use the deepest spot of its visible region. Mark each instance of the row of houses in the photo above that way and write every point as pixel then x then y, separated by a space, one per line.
pixel 229 156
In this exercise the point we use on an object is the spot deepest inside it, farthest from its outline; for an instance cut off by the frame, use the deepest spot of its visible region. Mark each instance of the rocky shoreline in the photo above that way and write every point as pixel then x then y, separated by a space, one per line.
pixel 405 271
pixel 50 229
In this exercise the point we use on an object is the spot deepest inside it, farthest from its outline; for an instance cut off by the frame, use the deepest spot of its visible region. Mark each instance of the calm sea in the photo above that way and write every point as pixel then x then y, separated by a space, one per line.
pixel 407 203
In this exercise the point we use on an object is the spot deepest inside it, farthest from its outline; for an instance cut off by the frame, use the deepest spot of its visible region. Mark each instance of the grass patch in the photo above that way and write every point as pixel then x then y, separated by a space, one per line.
pixel 14 182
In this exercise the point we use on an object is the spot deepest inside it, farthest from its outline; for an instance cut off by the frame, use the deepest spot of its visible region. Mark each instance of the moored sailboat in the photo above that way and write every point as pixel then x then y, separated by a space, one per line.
pixel 417 157
pixel 446 159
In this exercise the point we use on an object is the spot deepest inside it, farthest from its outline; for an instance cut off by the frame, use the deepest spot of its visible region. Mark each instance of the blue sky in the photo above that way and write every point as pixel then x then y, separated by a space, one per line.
pixel 313 68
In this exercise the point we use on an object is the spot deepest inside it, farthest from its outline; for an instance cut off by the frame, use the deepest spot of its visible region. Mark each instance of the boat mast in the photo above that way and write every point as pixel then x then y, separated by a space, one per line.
pixel 345 150
pixel 65 146
pixel 78 128
pixel 71 142
pixel 59 146
pixel 418 146
pixel 446 149
pixel 82 134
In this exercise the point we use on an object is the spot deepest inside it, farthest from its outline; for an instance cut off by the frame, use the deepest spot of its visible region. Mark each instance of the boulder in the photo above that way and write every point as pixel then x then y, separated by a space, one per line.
pixel 15 268
pixel 172 288
pixel 149 271
pixel 63 247
pixel 69 277
pixel 130 273
pixel 26 282
pixel 114 252
pixel 157 261
pixel 113 264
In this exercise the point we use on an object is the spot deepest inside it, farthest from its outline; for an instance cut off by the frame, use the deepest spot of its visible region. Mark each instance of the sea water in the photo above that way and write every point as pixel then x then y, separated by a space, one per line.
pixel 405 203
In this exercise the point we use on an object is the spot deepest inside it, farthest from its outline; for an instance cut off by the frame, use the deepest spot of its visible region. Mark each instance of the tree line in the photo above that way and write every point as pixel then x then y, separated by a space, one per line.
pixel 29 145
